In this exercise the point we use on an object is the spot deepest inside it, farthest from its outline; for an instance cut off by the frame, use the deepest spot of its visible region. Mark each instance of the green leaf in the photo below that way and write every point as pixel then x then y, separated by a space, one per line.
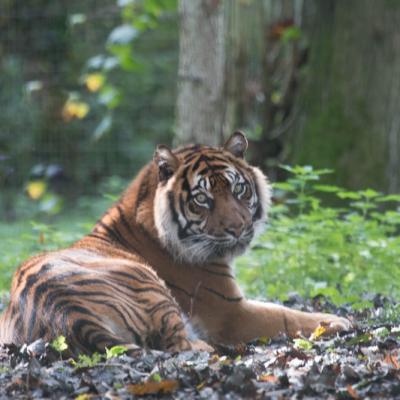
pixel 115 351
pixel 381 332
pixel 85 361
pixel 156 377
pixel 369 193
pixel 390 197
pixel 327 188
pixel 303 344
pixel 349 195
pixel 283 186
pixel 109 96
pixel 59 344
pixel 290 34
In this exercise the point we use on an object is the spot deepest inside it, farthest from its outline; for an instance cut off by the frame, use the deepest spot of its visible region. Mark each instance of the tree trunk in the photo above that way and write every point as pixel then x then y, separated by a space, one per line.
pixel 350 117
pixel 201 72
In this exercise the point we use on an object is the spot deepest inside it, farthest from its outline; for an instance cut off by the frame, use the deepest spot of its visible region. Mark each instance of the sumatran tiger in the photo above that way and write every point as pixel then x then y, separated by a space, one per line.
pixel 159 262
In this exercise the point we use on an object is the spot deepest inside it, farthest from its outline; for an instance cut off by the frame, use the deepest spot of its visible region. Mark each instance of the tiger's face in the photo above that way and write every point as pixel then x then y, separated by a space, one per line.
pixel 209 202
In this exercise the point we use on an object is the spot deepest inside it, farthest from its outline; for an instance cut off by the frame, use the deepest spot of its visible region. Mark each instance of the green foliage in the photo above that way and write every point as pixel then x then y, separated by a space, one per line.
pixel 59 344
pixel 342 252
pixel 115 351
pixel 302 344
pixel 156 377
pixel 90 89
pixel 123 59
pixel 85 361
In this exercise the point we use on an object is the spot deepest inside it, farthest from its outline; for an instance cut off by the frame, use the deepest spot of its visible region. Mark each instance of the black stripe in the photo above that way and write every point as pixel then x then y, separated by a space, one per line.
pixel 190 148
pixel 124 220
pixel 110 232
pixel 175 218
pixel 222 296
pixel 159 306
pixel 165 320
pixel 173 330
pixel 217 273
pixel 98 237
pixel 26 267
pixel 196 165
pixel 148 277
pixel 77 331
pixel 171 285
pixel 142 193
pixel 115 234
pixel 32 279
pixel 121 285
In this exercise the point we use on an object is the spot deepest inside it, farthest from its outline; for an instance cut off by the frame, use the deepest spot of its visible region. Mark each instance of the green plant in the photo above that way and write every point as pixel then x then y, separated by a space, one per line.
pixel 115 351
pixel 59 344
pixel 85 361
pixel 341 251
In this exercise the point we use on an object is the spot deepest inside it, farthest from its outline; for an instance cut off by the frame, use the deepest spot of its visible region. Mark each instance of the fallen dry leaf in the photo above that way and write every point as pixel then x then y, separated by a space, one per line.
pixel 268 378
pixel 352 392
pixel 392 359
pixel 151 387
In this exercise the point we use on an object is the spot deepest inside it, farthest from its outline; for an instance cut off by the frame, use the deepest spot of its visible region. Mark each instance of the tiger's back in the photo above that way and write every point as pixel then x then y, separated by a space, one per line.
pixel 94 300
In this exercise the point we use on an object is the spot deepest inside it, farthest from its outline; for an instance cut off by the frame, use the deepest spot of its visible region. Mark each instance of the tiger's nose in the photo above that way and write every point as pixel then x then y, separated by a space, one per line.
pixel 235 231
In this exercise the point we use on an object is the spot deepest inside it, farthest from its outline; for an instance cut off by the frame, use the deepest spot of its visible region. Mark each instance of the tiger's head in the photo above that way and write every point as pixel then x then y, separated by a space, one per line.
pixel 209 202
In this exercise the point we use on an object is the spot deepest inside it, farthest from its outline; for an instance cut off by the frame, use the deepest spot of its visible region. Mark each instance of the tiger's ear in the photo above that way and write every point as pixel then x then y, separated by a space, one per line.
pixel 166 161
pixel 237 144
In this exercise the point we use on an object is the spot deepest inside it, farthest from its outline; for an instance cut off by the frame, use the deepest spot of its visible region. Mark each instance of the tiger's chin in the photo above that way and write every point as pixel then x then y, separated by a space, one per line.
pixel 199 251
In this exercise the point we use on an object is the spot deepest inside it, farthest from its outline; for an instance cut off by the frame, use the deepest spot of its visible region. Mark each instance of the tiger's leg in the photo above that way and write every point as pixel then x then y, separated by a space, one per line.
pixel 247 320
pixel 171 333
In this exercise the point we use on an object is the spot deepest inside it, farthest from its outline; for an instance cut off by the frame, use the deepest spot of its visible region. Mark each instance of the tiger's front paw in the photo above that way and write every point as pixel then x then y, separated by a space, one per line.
pixel 200 345
pixel 329 323
pixel 305 324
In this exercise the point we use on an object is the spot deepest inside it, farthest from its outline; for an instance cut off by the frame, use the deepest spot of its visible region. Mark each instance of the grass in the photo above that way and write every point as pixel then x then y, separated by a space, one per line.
pixel 347 252
pixel 38 232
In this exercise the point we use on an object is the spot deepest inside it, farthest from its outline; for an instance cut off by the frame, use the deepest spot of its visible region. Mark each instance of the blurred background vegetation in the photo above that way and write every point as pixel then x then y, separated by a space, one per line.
pixel 87 88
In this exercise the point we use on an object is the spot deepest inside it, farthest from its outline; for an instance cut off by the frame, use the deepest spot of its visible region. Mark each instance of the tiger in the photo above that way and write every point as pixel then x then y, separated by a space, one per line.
pixel 156 270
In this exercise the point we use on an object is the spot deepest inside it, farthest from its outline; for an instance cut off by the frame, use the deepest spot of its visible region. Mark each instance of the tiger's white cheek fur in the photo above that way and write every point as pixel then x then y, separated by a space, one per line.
pixel 167 231
pixel 166 227
pixel 265 193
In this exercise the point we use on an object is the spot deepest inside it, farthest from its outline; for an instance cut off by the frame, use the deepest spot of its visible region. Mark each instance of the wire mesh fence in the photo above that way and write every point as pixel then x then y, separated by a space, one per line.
pixel 55 123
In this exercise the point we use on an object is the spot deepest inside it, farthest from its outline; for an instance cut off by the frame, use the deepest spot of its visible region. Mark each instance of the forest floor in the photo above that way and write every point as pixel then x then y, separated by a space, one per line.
pixel 362 363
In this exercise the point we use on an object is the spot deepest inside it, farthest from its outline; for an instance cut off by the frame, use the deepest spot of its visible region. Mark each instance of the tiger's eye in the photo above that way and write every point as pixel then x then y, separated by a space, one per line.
pixel 201 198
pixel 238 188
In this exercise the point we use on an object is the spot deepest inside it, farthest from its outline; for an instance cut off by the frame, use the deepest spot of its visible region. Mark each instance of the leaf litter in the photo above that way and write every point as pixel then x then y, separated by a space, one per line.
pixel 361 363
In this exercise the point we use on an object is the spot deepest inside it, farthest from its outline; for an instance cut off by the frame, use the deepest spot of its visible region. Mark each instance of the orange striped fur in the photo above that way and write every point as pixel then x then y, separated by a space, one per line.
pixel 158 257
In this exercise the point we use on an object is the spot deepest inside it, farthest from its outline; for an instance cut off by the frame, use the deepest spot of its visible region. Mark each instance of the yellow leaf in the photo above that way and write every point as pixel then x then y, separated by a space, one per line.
pixel 94 82
pixel 84 396
pixel 264 340
pixel 214 359
pixel 319 331
pixel 75 109
pixel 36 189
pixel 151 387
